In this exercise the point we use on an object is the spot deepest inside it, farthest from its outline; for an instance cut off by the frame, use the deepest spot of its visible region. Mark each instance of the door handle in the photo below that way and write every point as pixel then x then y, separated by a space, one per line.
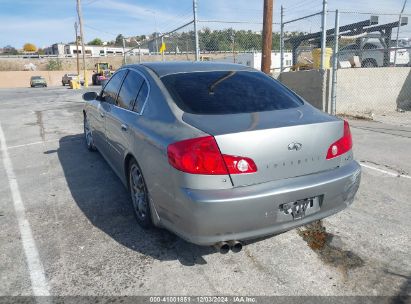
pixel 124 127
pixel 101 114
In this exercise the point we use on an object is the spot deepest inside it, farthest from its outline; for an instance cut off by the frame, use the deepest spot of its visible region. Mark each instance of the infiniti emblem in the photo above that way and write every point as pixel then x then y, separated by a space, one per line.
pixel 295 146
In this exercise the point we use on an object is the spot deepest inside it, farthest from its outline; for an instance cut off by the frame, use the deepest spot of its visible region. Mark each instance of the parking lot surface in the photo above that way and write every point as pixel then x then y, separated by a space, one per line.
pixel 67 227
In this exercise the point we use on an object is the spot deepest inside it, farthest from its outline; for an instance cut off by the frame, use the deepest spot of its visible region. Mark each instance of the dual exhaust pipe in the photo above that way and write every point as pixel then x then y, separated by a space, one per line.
pixel 224 247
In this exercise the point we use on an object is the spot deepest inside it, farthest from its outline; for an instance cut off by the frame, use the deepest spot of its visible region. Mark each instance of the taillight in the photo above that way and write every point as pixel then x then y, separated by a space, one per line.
pixel 343 145
pixel 202 156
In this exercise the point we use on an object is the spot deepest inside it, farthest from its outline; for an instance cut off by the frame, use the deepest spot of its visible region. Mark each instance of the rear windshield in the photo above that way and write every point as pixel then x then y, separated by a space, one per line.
pixel 228 92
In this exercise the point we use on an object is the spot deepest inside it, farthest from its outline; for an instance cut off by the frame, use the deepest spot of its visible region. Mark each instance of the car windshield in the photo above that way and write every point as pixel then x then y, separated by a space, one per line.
pixel 36 77
pixel 228 92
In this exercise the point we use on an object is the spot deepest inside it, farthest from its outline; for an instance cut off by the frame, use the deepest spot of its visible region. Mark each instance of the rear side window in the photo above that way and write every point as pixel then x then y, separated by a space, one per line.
pixel 141 98
pixel 370 46
pixel 111 89
pixel 129 90
pixel 228 92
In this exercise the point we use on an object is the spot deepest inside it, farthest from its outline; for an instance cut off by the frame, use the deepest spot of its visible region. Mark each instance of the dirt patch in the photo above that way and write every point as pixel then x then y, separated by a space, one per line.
pixel 325 246
pixel 365 116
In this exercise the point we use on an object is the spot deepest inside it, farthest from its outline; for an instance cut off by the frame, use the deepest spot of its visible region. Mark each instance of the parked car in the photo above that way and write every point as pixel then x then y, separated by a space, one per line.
pixel 68 77
pixel 38 81
pixel 220 153
pixel 371 53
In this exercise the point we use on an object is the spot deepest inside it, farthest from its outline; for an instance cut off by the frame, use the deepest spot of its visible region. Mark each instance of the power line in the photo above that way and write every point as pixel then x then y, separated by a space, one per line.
pixel 90 2
pixel 183 17
pixel 99 30
pixel 301 4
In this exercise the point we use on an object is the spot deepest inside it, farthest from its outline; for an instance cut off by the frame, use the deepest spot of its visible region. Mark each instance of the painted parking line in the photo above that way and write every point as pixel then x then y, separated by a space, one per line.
pixel 385 172
pixel 39 283
pixel 31 144
pixel 42 143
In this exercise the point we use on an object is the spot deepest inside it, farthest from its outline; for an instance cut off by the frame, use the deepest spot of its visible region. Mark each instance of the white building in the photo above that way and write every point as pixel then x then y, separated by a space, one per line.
pixel 253 60
pixel 70 50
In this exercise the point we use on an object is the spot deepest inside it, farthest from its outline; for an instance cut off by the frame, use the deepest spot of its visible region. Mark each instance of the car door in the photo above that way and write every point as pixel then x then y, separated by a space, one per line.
pixel 121 118
pixel 106 99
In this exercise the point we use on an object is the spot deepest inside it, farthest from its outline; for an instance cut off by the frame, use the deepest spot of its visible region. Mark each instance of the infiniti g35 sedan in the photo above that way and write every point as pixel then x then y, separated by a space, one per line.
pixel 220 153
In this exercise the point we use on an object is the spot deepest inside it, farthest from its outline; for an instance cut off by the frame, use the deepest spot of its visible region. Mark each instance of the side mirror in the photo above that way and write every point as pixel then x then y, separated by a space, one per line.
pixel 90 96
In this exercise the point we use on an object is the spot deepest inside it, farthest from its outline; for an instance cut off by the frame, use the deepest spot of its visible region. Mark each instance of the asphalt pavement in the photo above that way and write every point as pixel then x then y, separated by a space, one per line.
pixel 67 227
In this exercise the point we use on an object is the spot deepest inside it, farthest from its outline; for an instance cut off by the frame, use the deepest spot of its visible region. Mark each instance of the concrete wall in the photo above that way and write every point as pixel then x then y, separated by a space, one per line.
pixel 359 91
pixel 17 64
pixel 312 85
pixel 373 90
pixel 21 79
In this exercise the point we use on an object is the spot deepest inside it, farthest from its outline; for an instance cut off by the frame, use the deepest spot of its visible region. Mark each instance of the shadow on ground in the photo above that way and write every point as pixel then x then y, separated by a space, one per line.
pixel 104 200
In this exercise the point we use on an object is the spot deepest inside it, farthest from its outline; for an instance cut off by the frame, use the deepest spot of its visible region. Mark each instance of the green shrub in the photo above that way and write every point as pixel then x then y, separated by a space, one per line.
pixel 54 65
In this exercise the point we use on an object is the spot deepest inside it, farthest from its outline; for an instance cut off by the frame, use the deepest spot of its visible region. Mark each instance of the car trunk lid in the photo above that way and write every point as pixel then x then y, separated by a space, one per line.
pixel 283 143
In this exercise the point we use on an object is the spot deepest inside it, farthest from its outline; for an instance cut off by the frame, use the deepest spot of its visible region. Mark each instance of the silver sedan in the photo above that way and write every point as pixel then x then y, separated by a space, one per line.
pixel 220 153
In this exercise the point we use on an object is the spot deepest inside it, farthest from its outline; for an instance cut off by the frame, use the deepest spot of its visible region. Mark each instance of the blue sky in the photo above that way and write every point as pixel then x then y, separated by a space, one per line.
pixel 44 22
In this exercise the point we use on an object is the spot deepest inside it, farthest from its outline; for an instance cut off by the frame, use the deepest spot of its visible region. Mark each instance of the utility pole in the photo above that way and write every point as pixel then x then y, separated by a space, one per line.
pixel 197 50
pixel 267 36
pixel 77 57
pixel 80 18
pixel 324 34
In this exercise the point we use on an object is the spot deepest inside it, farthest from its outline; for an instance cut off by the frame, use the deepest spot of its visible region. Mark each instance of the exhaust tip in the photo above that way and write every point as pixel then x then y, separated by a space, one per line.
pixel 222 247
pixel 236 246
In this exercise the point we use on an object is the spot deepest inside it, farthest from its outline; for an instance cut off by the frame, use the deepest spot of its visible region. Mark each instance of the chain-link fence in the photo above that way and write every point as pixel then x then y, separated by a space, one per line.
pixel 175 45
pixel 231 41
pixel 372 60
pixel 367 55
pixel 302 36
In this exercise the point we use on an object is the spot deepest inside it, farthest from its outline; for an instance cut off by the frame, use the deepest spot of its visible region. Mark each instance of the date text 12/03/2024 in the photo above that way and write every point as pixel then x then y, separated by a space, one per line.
pixel 203 299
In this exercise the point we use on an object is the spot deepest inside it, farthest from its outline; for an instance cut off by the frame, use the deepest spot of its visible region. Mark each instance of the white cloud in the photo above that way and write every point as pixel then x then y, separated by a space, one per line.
pixel 132 10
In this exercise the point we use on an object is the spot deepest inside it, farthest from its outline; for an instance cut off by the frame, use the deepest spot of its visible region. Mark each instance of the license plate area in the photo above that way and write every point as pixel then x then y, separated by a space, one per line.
pixel 300 208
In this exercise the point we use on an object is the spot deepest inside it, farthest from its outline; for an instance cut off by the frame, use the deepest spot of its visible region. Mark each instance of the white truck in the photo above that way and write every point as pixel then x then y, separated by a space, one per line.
pixel 371 49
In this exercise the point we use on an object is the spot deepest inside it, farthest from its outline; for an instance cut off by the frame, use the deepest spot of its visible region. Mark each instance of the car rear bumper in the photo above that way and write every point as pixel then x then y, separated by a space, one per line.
pixel 210 216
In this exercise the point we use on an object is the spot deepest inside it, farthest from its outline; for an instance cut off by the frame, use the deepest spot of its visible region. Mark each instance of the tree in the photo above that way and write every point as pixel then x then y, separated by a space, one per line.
pixel 29 47
pixel 119 40
pixel 10 50
pixel 96 41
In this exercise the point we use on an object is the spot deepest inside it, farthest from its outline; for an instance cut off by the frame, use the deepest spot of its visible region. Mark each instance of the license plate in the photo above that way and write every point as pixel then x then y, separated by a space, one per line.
pixel 298 208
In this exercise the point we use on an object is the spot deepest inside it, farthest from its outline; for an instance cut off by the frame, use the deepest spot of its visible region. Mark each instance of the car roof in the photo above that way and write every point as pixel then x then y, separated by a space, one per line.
pixel 175 67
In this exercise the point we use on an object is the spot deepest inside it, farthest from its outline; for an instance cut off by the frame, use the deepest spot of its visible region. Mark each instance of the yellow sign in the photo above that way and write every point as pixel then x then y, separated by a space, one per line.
pixel 163 47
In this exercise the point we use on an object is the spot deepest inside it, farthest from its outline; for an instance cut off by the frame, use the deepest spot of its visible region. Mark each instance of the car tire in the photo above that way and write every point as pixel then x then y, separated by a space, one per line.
pixel 88 135
pixel 63 84
pixel 139 195
pixel 367 63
